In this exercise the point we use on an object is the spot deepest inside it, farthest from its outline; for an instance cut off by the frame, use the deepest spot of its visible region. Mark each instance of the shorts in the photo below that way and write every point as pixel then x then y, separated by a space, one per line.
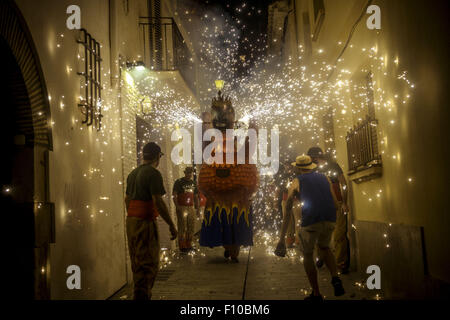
pixel 319 233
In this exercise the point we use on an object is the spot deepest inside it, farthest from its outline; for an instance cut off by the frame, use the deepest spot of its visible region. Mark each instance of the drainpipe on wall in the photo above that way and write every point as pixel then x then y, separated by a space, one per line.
pixel 115 77
pixel 296 26
pixel 113 51
pixel 122 153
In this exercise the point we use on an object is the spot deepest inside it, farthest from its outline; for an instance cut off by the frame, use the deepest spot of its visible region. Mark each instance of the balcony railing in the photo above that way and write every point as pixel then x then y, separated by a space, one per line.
pixel 165 49
pixel 362 145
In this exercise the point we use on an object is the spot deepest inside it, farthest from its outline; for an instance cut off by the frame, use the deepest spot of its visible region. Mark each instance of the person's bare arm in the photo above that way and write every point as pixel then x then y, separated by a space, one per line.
pixel 336 203
pixel 279 197
pixel 164 213
pixel 175 194
pixel 344 188
pixel 175 199
pixel 294 188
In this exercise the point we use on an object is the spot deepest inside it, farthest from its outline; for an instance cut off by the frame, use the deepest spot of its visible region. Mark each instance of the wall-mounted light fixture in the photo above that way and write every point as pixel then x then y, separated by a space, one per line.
pixel 146 106
pixel 138 65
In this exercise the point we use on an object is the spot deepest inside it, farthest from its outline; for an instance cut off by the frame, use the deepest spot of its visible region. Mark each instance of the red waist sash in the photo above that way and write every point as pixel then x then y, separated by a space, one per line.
pixel 186 199
pixel 202 200
pixel 142 209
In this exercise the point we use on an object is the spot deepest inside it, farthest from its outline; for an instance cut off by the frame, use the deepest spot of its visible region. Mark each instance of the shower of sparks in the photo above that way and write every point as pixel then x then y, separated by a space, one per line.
pixel 290 93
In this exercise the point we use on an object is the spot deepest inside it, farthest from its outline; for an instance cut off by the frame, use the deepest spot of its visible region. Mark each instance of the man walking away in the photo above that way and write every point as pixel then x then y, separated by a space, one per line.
pixel 340 240
pixel 185 197
pixel 144 203
pixel 316 195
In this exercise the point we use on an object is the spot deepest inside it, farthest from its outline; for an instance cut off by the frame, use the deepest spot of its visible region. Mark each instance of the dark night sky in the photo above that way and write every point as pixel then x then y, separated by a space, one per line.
pixel 251 18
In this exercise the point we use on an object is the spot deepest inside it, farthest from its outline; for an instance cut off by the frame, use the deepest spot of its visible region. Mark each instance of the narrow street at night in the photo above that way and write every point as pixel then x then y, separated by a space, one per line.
pixel 276 152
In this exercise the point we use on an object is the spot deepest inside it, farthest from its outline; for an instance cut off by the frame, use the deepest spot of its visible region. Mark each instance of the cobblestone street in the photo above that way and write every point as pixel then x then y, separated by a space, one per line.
pixel 259 275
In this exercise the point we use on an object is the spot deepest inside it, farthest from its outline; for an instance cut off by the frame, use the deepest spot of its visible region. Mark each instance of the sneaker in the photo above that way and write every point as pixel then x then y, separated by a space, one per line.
pixel 338 288
pixel 314 298
pixel 280 250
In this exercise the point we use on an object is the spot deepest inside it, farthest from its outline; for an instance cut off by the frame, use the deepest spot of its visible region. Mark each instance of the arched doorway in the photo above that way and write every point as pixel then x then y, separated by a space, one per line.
pixel 25 142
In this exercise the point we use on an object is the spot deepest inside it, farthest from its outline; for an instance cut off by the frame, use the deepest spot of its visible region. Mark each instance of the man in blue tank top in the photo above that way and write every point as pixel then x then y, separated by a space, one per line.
pixel 318 218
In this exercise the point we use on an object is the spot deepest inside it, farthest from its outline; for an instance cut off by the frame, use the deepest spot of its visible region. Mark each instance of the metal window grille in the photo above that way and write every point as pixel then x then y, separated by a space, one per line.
pixel 91 104
pixel 362 145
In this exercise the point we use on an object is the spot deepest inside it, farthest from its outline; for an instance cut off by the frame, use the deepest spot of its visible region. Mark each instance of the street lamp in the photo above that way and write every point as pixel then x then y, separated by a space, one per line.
pixel 219 84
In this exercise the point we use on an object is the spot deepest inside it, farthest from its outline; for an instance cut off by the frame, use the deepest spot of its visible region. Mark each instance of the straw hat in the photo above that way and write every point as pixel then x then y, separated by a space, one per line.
pixel 304 162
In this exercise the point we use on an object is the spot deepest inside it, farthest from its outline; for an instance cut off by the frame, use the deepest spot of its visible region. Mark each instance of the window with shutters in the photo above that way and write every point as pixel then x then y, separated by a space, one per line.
pixel 362 138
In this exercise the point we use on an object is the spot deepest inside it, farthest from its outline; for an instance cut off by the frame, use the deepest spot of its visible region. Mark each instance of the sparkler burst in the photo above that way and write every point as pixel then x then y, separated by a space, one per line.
pixel 291 93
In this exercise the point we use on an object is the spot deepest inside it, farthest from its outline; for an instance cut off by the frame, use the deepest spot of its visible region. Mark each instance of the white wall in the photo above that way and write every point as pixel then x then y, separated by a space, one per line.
pixel 412 116
pixel 85 165
pixel 413 120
